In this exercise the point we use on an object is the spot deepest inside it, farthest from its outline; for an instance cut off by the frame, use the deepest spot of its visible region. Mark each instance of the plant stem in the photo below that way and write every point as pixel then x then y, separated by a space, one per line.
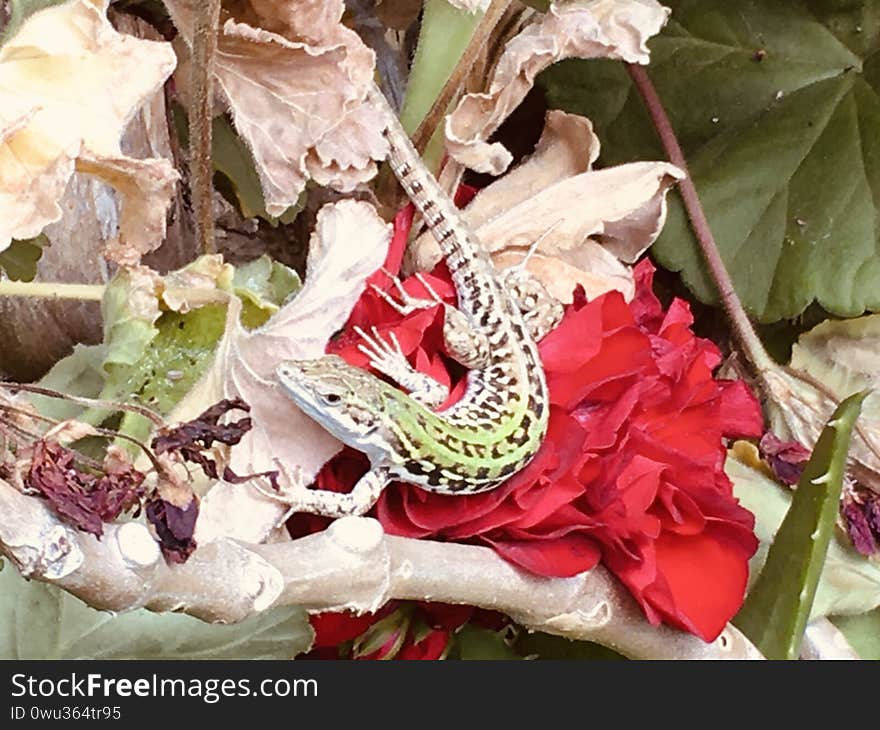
pixel 51 290
pixel 481 34
pixel 207 15
pixel 147 413
pixel 742 328
pixel 443 37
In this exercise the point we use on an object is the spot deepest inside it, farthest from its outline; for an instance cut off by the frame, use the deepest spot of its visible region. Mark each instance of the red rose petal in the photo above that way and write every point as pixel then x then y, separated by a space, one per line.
pixel 560 557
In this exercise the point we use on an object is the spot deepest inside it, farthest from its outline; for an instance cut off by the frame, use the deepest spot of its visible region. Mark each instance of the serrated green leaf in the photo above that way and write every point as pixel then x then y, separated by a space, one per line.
pixel 863 632
pixel 19 260
pixel 776 107
pixel 38 621
pixel 778 606
pixel 476 642
pixel 20 11
pixel 547 646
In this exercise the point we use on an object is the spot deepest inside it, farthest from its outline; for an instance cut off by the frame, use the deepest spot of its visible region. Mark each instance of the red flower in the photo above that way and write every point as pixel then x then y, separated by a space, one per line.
pixel 397 631
pixel 630 471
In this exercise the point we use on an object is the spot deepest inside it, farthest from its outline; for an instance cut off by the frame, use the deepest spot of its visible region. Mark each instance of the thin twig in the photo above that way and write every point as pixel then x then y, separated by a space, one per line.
pixel 483 31
pixel 207 15
pixel 743 331
pixel 156 419
pixel 33 436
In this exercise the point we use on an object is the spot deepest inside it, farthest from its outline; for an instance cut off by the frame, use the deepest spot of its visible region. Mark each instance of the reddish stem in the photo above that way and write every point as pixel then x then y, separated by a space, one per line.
pixel 743 331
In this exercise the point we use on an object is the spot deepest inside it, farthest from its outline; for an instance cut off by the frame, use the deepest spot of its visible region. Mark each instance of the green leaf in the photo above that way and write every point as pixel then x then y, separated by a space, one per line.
pixel 19 260
pixel 777 110
pixel 850 584
pixel 263 285
pixel 38 621
pixel 547 646
pixel 20 11
pixel 81 373
pixel 863 632
pixel 778 606
pixel 153 356
pixel 475 642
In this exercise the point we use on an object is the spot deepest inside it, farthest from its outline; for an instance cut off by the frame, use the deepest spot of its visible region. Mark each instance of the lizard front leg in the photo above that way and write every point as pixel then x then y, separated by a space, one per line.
pixel 388 358
pixel 299 498
pixel 465 345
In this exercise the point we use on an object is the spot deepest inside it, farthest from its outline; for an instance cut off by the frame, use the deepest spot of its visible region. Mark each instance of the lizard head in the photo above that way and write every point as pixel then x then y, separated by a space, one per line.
pixel 345 400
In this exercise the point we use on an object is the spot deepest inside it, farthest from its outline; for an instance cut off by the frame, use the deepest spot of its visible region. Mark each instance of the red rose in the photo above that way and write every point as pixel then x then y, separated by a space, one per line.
pixel 630 471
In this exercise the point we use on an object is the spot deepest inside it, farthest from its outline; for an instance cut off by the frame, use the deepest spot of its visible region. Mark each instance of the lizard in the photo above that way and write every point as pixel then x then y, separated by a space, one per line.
pixel 497 426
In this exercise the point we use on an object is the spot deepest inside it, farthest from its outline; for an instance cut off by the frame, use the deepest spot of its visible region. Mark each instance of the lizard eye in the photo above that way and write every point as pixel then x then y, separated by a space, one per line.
pixel 333 398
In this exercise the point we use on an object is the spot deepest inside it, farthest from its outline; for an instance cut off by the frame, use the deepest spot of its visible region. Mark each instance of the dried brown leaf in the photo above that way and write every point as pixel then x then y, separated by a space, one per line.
pixel 69 83
pixel 615 29
pixel 297 88
pixel 66 432
pixel 174 527
pixel 146 188
pixel 591 222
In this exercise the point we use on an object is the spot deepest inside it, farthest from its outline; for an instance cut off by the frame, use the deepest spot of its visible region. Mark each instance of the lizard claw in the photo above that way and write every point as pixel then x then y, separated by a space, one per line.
pixel 292 492
pixel 405 304
pixel 386 357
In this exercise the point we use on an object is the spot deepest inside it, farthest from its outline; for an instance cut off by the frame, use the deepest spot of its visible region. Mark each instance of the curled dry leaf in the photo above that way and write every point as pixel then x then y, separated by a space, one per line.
pixel 297 87
pixel 615 29
pixel 589 221
pixel 829 363
pixel 69 431
pixel 786 459
pixel 69 83
pixel 349 243
pixel 174 527
pixel 193 440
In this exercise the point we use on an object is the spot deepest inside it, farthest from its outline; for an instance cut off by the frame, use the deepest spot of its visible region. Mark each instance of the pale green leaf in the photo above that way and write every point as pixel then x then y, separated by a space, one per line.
pixel 850 584
pixel 263 285
pixel 862 632
pixel 81 373
pixel 38 621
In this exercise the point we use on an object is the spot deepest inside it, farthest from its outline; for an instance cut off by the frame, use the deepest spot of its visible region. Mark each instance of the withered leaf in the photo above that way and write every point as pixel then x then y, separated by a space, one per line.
pixel 590 223
pixel 296 81
pixel 191 439
pixel 69 82
pixel 577 29
pixel 80 498
pixel 786 458
pixel 174 527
